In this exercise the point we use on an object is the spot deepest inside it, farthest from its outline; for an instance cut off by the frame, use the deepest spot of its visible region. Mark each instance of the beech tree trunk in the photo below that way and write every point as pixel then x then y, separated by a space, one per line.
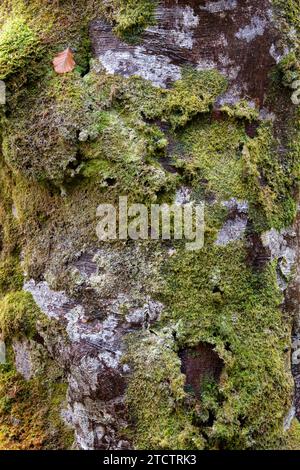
pixel 143 344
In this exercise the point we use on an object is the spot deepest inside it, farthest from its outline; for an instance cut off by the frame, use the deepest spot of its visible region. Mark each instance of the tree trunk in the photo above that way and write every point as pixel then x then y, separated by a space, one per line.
pixel 150 342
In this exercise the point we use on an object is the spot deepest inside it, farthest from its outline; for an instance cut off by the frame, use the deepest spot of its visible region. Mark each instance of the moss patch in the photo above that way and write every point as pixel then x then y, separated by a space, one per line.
pixel 157 399
pixel 72 142
pixel 18 44
pixel 30 411
pixel 131 17
pixel 212 296
pixel 18 315
pixel 291 440
pixel 11 276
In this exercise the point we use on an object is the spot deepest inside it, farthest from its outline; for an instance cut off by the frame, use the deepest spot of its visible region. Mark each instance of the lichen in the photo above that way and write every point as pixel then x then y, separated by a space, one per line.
pixel 71 142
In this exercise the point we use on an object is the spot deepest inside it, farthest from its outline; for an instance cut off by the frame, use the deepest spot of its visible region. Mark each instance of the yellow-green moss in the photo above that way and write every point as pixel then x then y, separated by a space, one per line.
pixel 212 157
pixel 156 397
pixel 11 276
pixel 289 68
pixel 270 182
pixel 18 315
pixel 213 296
pixel 132 16
pixel 290 11
pixel 18 43
pixel 30 410
pixel 291 440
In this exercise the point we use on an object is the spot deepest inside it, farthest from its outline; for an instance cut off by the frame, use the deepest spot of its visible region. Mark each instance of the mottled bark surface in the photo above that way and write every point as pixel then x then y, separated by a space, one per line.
pixel 238 38
pixel 143 344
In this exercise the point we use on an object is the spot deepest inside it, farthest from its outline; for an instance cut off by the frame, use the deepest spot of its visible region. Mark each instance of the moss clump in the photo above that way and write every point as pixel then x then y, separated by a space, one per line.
pixel 11 276
pixel 156 397
pixel 97 136
pixel 289 68
pixel 30 410
pixel 270 183
pixel 241 110
pixel 92 114
pixel 18 44
pixel 36 144
pixel 214 296
pixel 194 94
pixel 291 440
pixel 132 17
pixel 18 315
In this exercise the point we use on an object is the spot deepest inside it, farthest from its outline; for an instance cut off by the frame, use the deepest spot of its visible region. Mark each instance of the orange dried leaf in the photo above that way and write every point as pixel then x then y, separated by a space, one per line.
pixel 64 62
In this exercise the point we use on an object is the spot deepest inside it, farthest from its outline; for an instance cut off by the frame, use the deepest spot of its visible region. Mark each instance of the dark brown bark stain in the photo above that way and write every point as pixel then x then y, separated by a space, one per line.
pixel 247 62
pixel 200 364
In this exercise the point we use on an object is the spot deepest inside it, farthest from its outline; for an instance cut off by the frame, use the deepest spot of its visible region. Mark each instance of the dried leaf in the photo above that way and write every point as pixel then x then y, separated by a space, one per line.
pixel 64 62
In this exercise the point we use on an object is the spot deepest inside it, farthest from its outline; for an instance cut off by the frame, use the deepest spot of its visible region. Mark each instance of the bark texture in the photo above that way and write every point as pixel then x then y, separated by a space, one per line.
pixel 143 344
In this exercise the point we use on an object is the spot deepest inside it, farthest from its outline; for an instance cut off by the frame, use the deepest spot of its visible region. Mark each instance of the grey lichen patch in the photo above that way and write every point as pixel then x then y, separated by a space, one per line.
pixel 255 28
pixel 220 5
pixel 50 302
pixel 232 230
pixel 282 246
pixel 156 68
pixel 182 31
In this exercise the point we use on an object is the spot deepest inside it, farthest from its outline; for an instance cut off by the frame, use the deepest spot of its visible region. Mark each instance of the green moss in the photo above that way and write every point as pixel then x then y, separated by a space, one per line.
pixel 30 410
pixel 194 94
pixel 212 154
pixel 18 315
pixel 290 11
pixel 222 161
pixel 132 17
pixel 213 296
pixel 291 440
pixel 156 397
pixel 241 110
pixel 11 276
pixel 270 183
pixel 96 137
pixel 289 68
pixel 18 44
